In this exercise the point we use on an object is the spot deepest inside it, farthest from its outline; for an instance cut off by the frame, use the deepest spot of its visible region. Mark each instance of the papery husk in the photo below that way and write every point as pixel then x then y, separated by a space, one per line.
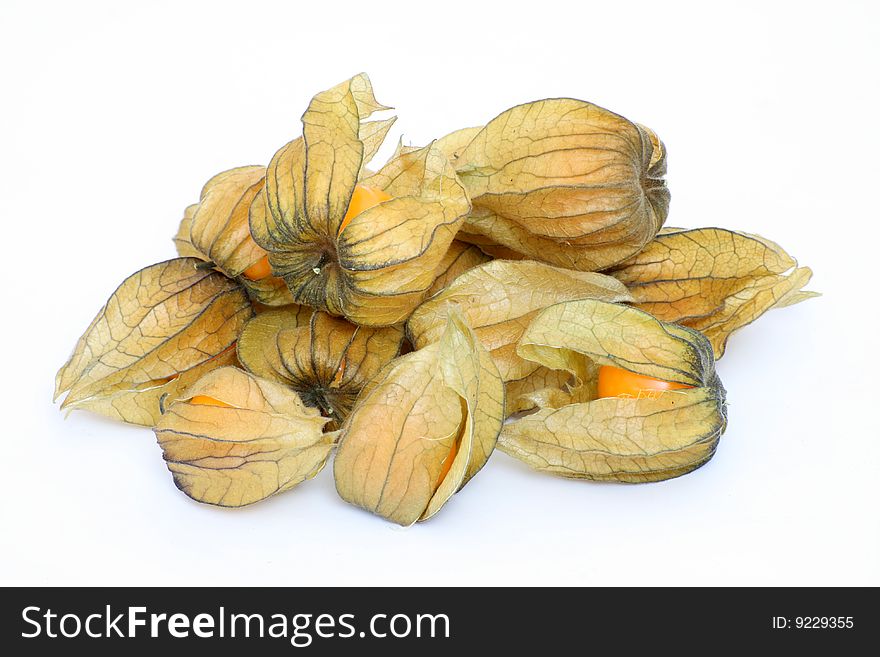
pixel 384 262
pixel 565 182
pixel 547 388
pixel 216 229
pixel 182 240
pixel 261 442
pixel 325 359
pixel 713 280
pixel 451 145
pixel 442 402
pixel 454 144
pixel 163 328
pixel 629 440
pixel 460 258
pixel 498 300
pixel 488 247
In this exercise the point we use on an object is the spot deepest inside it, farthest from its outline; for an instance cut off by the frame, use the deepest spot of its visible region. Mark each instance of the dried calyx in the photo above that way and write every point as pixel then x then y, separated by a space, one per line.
pixel 374 267
pixel 162 329
pixel 509 284
pixel 713 280
pixel 326 360
pixel 422 428
pixel 629 439
pixel 216 230
pixel 563 181
pixel 234 439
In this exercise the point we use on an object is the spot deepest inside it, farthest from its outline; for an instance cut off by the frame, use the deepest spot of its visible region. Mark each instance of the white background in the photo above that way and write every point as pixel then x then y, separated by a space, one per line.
pixel 113 115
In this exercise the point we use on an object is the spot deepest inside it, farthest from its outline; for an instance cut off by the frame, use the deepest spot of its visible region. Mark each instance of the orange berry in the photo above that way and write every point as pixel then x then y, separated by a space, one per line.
pixel 447 464
pixel 260 269
pixel 617 382
pixel 205 400
pixel 363 198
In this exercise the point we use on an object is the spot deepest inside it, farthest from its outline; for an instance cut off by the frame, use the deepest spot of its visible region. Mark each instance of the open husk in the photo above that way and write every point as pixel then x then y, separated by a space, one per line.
pixel 163 328
pixel 327 360
pixel 639 439
pixel 378 267
pixel 255 439
pixel 498 299
pixel 546 388
pixel 565 182
pixel 472 293
pixel 421 429
pixel 216 230
pixel 712 279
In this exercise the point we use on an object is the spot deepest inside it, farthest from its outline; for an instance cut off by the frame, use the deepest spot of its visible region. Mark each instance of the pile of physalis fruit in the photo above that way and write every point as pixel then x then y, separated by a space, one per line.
pixel 509 286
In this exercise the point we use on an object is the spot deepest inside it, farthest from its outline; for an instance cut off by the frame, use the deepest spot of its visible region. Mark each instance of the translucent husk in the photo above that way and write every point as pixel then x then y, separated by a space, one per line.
pixel 384 262
pixel 563 181
pixel 161 329
pixel 255 440
pixel 423 428
pixel 326 360
pixel 712 279
pixel 216 230
pixel 460 258
pixel 498 300
pixel 486 249
pixel 639 439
